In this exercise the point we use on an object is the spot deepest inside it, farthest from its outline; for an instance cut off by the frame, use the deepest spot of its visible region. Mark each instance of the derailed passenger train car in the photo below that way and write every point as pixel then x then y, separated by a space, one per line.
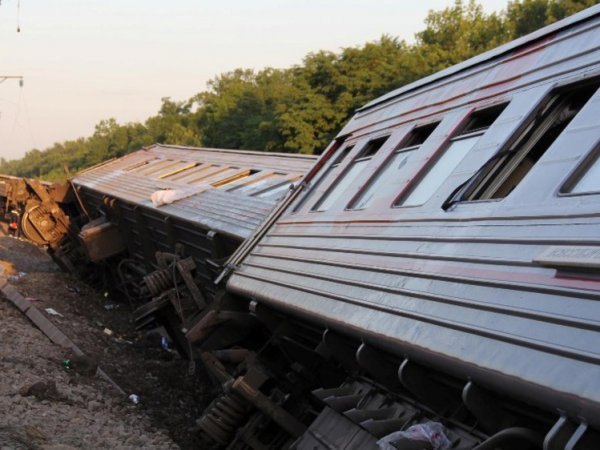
pixel 442 258
pixel 157 224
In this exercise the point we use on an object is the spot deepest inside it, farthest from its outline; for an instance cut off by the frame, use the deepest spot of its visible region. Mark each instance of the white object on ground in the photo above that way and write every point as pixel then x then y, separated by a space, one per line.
pixel 53 312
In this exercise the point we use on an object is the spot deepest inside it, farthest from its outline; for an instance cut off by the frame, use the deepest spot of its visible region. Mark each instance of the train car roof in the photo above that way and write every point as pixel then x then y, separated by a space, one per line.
pixel 488 56
pixel 229 191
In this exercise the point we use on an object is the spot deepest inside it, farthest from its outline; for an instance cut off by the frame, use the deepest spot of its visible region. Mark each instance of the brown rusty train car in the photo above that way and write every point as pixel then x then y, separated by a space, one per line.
pixel 34 209
pixel 444 255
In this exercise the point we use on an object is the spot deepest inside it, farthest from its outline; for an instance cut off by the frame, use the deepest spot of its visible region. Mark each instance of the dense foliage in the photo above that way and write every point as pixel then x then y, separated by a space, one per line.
pixel 301 108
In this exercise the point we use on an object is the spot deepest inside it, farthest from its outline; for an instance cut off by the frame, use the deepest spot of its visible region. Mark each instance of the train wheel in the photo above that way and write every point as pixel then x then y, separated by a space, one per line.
pixel 39 226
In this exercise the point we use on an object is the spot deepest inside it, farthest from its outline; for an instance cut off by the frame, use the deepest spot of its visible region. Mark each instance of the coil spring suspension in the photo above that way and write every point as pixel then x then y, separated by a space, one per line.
pixel 159 281
pixel 224 416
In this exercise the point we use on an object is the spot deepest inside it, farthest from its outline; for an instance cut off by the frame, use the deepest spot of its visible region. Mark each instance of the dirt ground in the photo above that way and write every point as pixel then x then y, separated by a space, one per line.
pixel 87 412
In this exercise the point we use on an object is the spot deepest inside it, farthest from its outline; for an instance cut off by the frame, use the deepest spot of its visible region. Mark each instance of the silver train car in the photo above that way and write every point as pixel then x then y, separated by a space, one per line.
pixel 443 256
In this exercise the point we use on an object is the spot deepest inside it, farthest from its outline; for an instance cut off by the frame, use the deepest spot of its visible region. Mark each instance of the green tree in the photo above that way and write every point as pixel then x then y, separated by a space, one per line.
pixel 457 33
pixel 525 16
pixel 240 109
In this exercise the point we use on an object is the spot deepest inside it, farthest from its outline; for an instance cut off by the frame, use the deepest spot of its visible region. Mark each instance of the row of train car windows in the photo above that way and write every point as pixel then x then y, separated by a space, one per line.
pixel 495 180
pixel 264 185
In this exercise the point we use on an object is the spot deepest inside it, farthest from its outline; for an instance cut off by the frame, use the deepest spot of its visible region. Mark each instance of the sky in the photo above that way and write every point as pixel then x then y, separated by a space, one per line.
pixel 84 61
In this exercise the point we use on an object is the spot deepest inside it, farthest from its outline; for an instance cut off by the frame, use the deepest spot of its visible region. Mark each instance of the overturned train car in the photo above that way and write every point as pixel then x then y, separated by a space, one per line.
pixel 444 254
pixel 157 224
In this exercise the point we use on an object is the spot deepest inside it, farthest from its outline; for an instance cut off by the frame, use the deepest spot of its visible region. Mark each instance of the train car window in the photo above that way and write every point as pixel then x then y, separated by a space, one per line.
pixel 483 119
pixel 501 174
pixel 588 179
pixel 139 164
pixel 345 151
pixel 229 176
pixel 178 169
pixel 193 173
pixel 327 173
pixel 347 178
pixel 154 169
pixel 274 191
pixel 155 164
pixel 393 165
pixel 198 167
pixel 259 185
pixel 459 146
pixel 209 175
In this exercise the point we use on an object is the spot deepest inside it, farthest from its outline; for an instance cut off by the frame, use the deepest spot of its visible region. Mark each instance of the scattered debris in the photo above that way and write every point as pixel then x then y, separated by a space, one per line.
pixel 108 331
pixel 75 290
pixel 110 306
pixel 135 366
pixel 17 276
pixel 120 340
pixel 164 343
pixel 82 365
pixel 134 399
pixel 426 435
pixel 53 312
pixel 42 390
pixel 86 414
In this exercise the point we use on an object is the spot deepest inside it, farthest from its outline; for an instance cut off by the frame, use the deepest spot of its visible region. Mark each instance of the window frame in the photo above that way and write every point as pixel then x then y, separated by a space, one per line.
pixel 288 182
pixel 359 158
pixel 464 193
pixel 405 195
pixel 580 170
pixel 262 178
pixel 462 133
pixel 334 161
pixel 399 148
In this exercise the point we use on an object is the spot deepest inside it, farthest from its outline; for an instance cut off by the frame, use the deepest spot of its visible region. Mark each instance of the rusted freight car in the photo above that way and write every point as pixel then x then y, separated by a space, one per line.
pixel 443 256
pixel 35 209
pixel 157 223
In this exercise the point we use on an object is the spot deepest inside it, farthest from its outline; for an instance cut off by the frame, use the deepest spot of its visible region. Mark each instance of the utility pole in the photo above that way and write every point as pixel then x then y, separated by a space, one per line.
pixel 3 78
